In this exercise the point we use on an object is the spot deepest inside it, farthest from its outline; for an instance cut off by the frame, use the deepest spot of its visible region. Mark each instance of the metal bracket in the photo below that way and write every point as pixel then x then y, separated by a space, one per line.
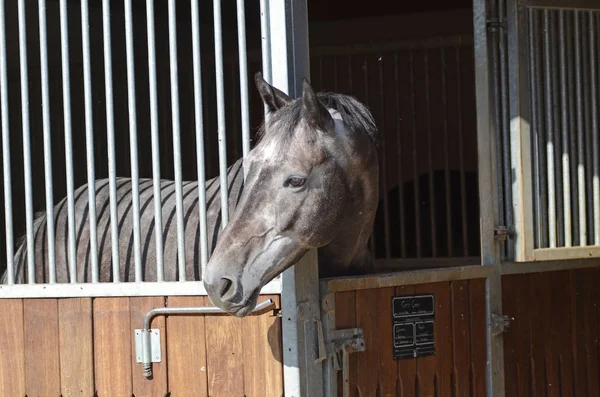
pixel 501 233
pixel 155 350
pixel 496 24
pixel 500 323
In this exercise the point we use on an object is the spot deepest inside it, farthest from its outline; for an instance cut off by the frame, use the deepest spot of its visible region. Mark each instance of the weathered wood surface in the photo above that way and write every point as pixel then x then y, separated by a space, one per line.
pixel 551 347
pixel 85 347
pixel 458 367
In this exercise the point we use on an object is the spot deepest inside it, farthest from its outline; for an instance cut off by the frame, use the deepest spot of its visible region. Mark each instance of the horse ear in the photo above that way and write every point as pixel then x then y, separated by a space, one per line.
pixel 272 97
pixel 316 113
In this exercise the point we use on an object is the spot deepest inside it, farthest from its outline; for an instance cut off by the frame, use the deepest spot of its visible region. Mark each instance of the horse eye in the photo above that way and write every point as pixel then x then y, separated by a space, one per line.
pixel 295 181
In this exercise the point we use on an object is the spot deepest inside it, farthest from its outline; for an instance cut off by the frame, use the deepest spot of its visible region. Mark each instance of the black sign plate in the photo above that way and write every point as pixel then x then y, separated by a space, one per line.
pixel 413 326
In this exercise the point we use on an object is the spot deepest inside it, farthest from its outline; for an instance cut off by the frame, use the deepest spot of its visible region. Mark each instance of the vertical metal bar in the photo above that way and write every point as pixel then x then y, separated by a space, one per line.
pixel 350 73
pixel 413 109
pixel 595 131
pixel 538 103
pixel 110 134
pixel 221 113
pixel 566 168
pixel 176 138
pixel 550 134
pixel 449 233
pixel 47 147
pixel 133 141
pixel 386 212
pixel 66 88
pixel 157 189
pixel 572 86
pixel 372 242
pixel 580 134
pixel 430 157
pixel 265 42
pixel 505 124
pixel 89 139
pixel 199 123
pixel 399 161
pixel 6 166
pixel 335 72
pixel 243 59
pixel 461 157
pixel 26 132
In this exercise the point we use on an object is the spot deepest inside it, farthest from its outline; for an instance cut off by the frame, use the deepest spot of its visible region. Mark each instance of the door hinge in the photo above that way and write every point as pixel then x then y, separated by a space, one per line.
pixel 496 24
pixel 500 323
pixel 501 233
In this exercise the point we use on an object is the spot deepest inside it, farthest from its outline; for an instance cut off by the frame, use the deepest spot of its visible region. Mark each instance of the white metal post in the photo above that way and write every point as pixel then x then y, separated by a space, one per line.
pixel 303 376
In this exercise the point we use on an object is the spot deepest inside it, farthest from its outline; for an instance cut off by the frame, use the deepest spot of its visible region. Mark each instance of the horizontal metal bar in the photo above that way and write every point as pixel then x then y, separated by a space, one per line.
pixel 548 266
pixel 407 278
pixel 89 290
pixel 397 264
pixel 261 308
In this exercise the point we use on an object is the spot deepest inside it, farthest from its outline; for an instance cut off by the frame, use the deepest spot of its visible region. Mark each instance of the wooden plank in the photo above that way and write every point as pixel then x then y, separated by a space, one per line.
pixel 76 347
pixel 538 301
pixel 112 347
pixel 224 355
pixel 12 346
pixel 560 319
pixel 407 368
pixel 367 362
pixel 461 338
pixel 186 351
pixel 515 291
pixel 478 337
pixel 42 368
pixel 434 371
pixel 157 384
pixel 263 354
pixel 345 317
pixel 388 367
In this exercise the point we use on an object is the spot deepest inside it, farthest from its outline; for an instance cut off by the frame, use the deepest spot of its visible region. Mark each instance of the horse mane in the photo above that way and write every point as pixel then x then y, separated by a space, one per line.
pixel 355 115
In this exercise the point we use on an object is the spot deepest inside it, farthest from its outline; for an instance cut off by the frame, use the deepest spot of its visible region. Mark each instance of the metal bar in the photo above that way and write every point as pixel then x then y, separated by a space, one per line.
pixel 243 59
pixel 572 129
pixel 550 134
pixel 399 161
pixel 155 139
pixel 66 88
pixel 199 124
pixel 265 42
pixel 335 73
pixel 461 157
pixel 26 133
pixel 557 141
pixel 413 108
pixel 221 113
pixel 133 141
pixel 386 211
pixel 587 112
pixel 47 147
pixel 430 157
pixel 594 131
pixel 176 138
pixel 350 73
pixel 449 233
pixel 262 307
pixel 95 290
pixel 580 135
pixel 110 135
pixel 6 166
pixel 565 132
pixel 89 139
pixel 372 242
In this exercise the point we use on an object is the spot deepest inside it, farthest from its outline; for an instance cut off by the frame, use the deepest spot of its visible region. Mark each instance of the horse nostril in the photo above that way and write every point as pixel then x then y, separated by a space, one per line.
pixel 226 288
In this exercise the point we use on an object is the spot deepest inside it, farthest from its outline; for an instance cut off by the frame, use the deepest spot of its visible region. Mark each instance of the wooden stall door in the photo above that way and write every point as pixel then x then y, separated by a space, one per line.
pixel 458 367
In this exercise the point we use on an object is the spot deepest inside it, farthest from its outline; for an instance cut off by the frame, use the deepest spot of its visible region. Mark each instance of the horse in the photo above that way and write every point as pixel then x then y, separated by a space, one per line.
pixel 311 181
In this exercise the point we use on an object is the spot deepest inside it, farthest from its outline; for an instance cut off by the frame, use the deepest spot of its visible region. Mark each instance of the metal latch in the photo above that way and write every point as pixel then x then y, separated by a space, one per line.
pixel 495 24
pixel 500 323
